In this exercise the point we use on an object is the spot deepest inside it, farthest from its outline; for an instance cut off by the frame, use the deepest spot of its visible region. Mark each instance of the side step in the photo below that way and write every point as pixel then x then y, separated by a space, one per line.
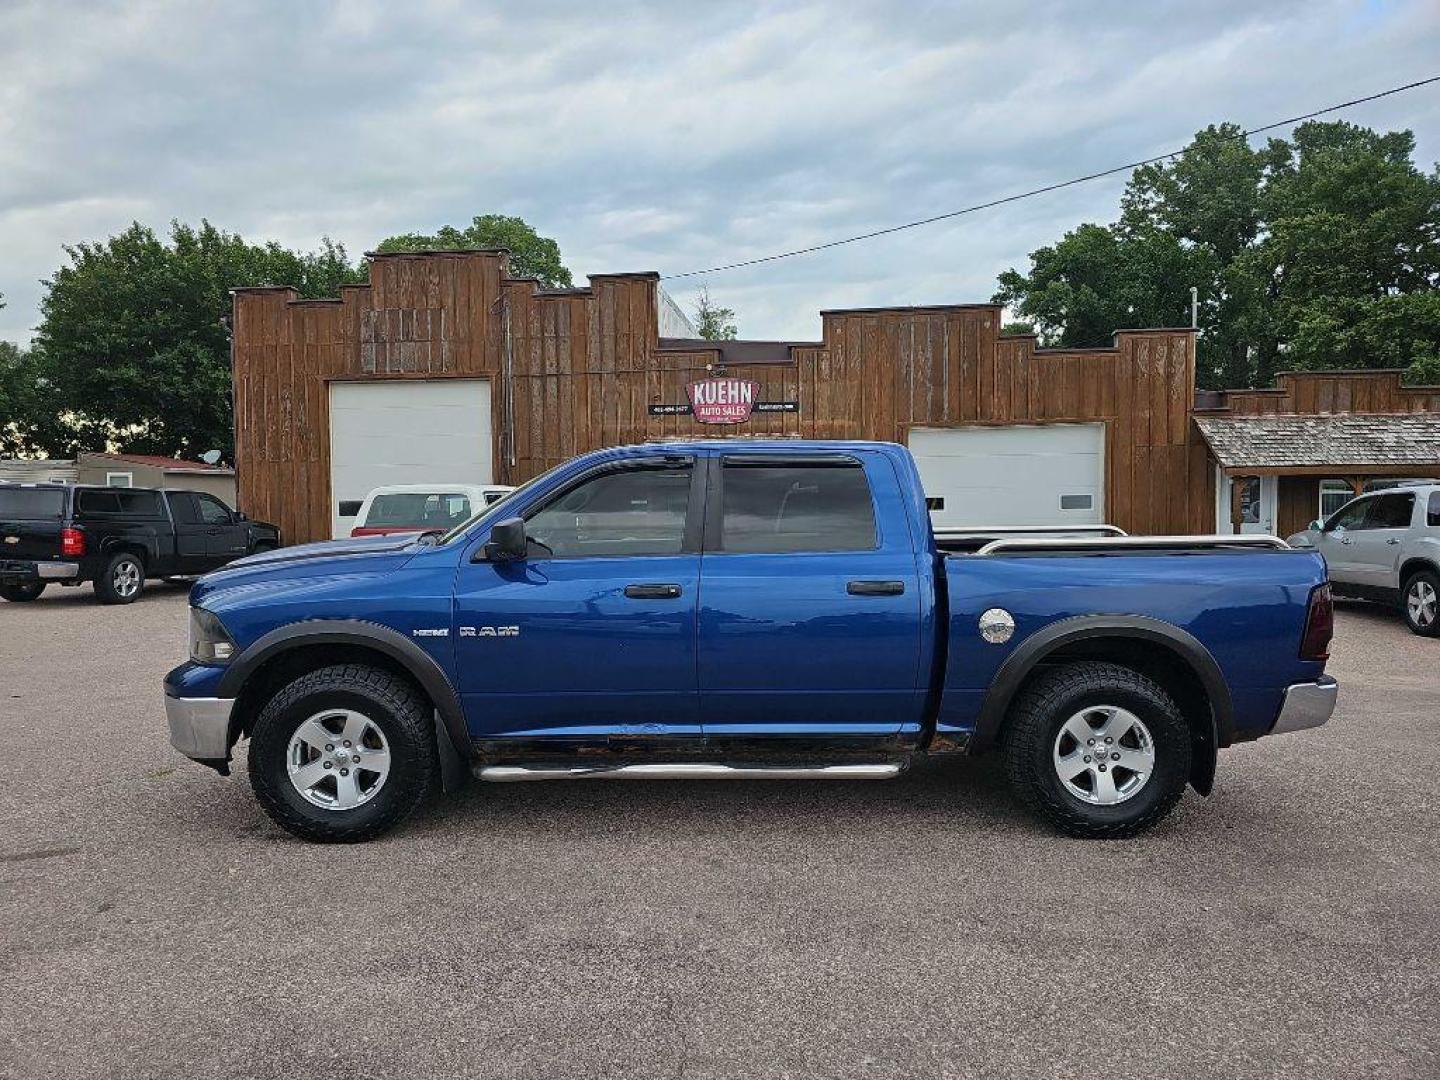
pixel 503 774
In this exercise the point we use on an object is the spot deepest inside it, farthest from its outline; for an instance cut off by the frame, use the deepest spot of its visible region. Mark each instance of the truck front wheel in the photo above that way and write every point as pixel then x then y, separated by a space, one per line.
pixel 343 754
pixel 1097 749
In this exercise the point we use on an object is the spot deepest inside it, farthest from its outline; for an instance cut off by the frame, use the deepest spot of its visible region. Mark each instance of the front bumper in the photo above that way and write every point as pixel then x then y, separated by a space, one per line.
pixel 1307 705
pixel 200 727
pixel 45 571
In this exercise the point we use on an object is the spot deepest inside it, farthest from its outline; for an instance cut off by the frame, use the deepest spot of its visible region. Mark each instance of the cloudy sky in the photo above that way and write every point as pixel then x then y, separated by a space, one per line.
pixel 664 136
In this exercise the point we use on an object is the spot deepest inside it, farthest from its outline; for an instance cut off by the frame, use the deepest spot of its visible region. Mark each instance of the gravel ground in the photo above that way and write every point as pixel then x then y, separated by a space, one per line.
pixel 153 923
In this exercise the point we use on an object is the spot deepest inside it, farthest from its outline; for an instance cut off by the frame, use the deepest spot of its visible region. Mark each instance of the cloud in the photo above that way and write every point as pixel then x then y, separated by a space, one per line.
pixel 653 136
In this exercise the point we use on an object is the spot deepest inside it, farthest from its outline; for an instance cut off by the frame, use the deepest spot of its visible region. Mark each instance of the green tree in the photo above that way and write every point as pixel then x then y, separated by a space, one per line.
pixel 132 343
pixel 1317 251
pixel 531 255
pixel 713 322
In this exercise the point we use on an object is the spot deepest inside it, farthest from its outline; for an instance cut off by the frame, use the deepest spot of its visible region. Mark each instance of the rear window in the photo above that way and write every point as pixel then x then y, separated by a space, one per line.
pixel 1432 509
pixel 423 510
pixel 780 508
pixel 31 504
pixel 1392 512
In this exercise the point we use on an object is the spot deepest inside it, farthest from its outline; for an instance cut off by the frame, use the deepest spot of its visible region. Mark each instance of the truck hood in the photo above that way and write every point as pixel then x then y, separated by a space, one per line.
pixel 308 564
pixel 324 549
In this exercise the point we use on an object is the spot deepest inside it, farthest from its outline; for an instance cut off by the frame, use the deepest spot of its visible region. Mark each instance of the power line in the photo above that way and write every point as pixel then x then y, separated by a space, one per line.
pixel 1046 189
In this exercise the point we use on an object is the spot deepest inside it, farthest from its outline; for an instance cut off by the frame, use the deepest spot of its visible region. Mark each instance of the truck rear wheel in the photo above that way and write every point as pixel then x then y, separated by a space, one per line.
pixel 1422 603
pixel 343 754
pixel 1097 749
pixel 122 580
pixel 20 592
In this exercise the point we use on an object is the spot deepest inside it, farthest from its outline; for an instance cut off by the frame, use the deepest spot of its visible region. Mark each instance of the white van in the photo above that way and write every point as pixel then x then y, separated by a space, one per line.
pixel 400 508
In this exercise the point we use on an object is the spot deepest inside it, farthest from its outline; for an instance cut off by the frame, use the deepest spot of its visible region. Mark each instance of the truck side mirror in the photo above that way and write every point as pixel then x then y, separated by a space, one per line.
pixel 507 541
pixel 1314 526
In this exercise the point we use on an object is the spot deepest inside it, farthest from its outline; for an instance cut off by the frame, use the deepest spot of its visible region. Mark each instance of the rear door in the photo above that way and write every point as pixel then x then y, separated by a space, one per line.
pixel 810 607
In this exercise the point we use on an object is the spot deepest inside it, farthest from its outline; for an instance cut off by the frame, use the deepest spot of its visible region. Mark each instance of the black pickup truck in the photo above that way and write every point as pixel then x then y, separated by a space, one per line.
pixel 116 537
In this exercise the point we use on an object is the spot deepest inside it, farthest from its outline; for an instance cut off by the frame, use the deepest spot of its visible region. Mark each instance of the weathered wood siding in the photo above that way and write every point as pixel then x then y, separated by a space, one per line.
pixel 584 366
pixel 1315 392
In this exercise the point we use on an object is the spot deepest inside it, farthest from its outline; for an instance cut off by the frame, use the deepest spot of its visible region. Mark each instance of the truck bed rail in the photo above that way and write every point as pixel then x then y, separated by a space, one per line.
pixel 1132 543
pixel 942 531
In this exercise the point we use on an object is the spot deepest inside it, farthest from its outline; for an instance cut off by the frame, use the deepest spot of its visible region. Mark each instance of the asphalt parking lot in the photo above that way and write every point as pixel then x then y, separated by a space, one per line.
pixel 155 924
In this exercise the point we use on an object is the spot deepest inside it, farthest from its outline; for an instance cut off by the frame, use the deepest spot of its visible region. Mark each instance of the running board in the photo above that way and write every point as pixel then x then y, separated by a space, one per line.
pixel 503 774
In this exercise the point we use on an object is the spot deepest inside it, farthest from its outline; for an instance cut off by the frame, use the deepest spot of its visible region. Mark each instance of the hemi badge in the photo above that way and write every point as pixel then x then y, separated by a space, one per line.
pixel 431 633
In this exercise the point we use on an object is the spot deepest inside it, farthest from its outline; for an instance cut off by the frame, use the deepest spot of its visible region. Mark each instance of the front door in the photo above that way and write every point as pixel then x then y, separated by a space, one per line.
pixel 1375 552
pixel 591 638
pixel 810 614
pixel 1257 505
pixel 192 534
pixel 225 537
pixel 1337 541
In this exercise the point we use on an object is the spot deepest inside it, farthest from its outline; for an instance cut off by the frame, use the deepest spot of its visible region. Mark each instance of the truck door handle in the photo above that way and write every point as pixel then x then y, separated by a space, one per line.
pixel 1392 541
pixel 875 588
pixel 652 592
pixel 1346 540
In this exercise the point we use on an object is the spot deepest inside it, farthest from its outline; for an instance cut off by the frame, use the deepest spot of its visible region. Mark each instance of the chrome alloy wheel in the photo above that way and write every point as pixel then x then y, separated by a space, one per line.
pixel 1421 601
pixel 126 579
pixel 1104 755
pixel 338 759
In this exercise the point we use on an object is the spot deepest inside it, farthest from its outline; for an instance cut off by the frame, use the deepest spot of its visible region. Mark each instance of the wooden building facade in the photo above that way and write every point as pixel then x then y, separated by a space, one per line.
pixel 572 370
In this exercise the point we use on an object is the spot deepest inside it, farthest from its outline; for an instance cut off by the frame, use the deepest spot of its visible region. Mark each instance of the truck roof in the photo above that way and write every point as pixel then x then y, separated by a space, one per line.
pixel 696 446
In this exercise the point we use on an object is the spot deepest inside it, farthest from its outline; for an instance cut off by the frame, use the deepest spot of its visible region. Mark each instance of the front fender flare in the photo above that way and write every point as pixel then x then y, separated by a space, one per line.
pixel 1034 649
pixel 395 645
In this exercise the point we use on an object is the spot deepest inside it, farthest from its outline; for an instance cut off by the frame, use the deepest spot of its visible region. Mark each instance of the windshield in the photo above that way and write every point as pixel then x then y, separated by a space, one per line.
pixel 32 504
pixel 498 509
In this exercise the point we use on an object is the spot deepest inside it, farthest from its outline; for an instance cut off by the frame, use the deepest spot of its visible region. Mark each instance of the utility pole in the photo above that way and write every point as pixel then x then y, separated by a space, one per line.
pixel 1194 307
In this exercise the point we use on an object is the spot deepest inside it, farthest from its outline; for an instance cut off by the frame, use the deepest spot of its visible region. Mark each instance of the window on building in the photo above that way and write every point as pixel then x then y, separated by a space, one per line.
pixel 119 479
pixel 778 508
pixel 629 512
pixel 1333 495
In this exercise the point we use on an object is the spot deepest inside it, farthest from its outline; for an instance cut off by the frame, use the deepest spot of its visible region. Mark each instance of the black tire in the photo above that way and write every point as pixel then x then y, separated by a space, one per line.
pixel 22 592
pixel 262 545
pixel 1044 707
pixel 1419 582
pixel 122 581
pixel 392 705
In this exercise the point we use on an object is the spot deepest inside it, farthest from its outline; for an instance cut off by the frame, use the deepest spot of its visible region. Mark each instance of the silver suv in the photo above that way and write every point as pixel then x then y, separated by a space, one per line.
pixel 1386 546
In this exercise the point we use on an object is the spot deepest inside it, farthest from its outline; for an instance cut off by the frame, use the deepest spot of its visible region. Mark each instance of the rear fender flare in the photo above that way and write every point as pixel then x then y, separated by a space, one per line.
pixel 415 660
pixel 1034 649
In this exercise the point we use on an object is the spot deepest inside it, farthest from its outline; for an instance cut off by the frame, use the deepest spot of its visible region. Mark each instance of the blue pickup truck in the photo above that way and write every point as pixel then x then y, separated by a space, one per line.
pixel 744 609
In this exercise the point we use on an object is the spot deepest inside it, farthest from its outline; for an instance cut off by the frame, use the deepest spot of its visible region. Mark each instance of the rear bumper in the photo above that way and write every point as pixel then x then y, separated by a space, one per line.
pixel 200 727
pixel 1307 705
pixel 45 571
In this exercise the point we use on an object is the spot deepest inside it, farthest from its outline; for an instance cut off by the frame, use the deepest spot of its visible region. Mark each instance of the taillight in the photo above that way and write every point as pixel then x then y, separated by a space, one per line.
pixel 72 542
pixel 1319 625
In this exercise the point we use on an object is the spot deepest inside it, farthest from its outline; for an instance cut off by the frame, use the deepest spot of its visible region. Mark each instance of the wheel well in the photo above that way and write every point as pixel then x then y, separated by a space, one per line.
pixel 289 665
pixel 1411 566
pixel 128 548
pixel 1151 659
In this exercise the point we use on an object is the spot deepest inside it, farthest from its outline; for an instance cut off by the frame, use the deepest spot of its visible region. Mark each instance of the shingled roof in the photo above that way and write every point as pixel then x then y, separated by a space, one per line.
pixel 1273 442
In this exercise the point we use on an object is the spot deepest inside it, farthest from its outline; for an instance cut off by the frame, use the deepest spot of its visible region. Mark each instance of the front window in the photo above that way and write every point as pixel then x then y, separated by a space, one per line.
pixel 212 511
pixel 1352 516
pixel 637 511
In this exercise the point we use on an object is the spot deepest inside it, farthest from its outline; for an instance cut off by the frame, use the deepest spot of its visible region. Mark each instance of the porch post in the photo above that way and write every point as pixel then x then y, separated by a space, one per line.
pixel 1237 513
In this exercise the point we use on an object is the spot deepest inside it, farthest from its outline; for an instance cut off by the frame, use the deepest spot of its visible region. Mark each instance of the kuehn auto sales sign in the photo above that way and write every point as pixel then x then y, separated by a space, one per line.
pixel 723 401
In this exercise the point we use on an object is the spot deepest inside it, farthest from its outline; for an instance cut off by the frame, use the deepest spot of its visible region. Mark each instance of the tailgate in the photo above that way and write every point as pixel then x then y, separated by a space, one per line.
pixel 30 522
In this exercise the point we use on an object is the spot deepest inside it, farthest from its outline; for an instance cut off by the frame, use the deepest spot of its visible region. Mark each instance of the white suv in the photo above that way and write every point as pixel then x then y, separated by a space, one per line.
pixel 1386 546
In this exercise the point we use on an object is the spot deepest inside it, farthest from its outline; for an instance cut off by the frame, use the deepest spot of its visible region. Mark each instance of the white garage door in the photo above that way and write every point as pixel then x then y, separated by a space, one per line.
pixel 406 432
pixel 1046 474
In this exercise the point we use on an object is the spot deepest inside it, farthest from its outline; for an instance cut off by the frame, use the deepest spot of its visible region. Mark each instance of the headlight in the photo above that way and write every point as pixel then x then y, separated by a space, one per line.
pixel 209 643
